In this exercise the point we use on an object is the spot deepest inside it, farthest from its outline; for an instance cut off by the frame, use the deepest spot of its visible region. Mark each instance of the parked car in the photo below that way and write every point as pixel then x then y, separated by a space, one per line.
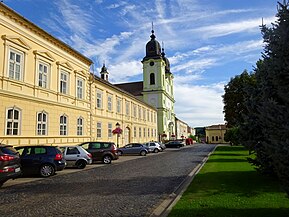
pixel 76 156
pixel 174 144
pixel 9 163
pixel 101 151
pixel 163 146
pixel 154 147
pixel 133 149
pixel 41 160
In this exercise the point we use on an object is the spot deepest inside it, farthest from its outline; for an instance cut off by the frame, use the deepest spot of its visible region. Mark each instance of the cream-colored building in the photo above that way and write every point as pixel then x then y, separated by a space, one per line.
pixel 181 129
pixel 49 96
pixel 215 133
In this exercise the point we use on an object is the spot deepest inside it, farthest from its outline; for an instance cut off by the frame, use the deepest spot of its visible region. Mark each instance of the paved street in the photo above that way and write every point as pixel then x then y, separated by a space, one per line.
pixel 124 188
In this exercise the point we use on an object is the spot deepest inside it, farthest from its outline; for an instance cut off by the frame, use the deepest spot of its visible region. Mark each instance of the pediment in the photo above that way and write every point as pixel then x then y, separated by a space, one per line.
pixel 66 65
pixel 16 40
pixel 44 54
pixel 81 72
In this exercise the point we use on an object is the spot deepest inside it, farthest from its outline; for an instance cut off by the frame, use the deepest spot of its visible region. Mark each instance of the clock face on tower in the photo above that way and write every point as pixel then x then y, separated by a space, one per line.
pixel 152 63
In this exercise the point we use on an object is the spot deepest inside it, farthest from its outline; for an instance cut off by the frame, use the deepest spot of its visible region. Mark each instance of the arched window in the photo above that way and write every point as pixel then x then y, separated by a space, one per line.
pixel 80 126
pixel 13 121
pixel 213 138
pixel 152 78
pixel 42 123
pixel 217 139
pixel 63 125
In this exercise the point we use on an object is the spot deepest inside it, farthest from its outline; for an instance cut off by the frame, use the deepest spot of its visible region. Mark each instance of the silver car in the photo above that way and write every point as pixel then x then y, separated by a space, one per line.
pixel 154 147
pixel 76 156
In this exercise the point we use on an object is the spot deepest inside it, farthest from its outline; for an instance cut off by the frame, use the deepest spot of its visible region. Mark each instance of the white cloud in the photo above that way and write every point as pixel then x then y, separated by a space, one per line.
pixel 199 105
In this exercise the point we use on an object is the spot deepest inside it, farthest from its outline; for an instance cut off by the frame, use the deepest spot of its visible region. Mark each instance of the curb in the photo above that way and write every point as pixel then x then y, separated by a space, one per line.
pixel 166 206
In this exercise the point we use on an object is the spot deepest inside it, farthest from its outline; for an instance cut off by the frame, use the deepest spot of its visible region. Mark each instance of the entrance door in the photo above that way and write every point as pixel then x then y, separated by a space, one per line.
pixel 126 136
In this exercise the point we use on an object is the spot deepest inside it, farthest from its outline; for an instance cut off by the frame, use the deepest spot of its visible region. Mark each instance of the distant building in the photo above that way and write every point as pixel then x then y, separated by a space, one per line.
pixel 215 133
pixel 182 129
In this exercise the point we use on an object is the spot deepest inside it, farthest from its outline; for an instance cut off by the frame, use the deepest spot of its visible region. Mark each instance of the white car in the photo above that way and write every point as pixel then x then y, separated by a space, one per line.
pixel 154 147
pixel 76 156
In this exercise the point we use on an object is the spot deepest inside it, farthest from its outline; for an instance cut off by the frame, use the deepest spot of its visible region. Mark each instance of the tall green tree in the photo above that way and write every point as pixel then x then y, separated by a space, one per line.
pixel 273 102
pixel 234 98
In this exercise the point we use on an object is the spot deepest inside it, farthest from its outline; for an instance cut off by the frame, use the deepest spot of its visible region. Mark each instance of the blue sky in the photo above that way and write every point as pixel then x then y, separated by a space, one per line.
pixel 207 42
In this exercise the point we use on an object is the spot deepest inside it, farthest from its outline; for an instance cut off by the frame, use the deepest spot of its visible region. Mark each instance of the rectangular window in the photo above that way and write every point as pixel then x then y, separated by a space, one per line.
pixel 13 122
pixel 134 111
pixel 118 105
pixel 144 114
pixel 144 132
pixel 80 88
pixel 99 99
pixel 41 123
pixel 64 83
pixel 80 126
pixel 134 132
pixel 139 132
pixel 109 127
pixel 139 112
pixel 148 132
pixel 15 65
pixel 43 70
pixel 63 125
pixel 148 113
pixel 109 102
pixel 127 108
pixel 98 130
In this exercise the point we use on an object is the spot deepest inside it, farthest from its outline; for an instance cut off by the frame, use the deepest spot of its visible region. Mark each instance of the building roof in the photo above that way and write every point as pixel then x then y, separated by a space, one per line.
pixel 217 127
pixel 134 88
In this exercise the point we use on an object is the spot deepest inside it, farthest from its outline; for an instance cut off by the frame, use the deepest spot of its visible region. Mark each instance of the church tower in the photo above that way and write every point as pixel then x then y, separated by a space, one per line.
pixel 158 87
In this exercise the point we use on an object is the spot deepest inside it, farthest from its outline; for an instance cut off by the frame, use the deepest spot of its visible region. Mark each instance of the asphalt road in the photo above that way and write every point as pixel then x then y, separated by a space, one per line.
pixel 125 188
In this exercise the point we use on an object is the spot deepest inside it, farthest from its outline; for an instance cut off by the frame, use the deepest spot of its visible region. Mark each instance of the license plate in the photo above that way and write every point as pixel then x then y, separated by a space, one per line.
pixel 17 170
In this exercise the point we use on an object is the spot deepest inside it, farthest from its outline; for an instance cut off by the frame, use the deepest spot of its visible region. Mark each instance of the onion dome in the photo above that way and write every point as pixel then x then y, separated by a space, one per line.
pixel 153 48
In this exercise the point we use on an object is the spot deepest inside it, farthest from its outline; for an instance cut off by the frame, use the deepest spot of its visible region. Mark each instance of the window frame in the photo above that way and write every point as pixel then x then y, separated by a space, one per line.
pixel 12 121
pixel 109 102
pixel 45 64
pixel 39 131
pixel 80 89
pixel 99 99
pixel 62 82
pixel 63 127
pixel 79 126
pixel 21 64
pixel 98 130
pixel 109 130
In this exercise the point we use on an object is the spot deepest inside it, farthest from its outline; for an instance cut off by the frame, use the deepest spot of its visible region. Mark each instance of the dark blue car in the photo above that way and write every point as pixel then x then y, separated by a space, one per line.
pixel 41 160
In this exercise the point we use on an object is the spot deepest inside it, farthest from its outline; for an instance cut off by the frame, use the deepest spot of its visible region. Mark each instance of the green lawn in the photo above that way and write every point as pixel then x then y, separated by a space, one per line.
pixel 229 186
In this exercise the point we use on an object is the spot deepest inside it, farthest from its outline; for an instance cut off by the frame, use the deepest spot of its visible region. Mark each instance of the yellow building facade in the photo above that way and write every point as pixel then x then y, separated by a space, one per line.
pixel 215 134
pixel 49 96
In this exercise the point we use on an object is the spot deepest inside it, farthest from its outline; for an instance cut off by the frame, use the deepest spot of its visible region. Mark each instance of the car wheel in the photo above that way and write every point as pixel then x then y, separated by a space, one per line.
pixel 47 170
pixel 119 153
pixel 156 150
pixel 143 153
pixel 81 164
pixel 106 159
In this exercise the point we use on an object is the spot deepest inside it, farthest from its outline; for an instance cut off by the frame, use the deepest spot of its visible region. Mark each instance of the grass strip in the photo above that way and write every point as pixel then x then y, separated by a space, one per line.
pixel 228 186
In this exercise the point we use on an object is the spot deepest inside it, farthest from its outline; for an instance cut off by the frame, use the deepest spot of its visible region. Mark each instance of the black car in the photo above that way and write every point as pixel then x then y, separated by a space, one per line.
pixel 101 151
pixel 174 144
pixel 41 160
pixel 9 163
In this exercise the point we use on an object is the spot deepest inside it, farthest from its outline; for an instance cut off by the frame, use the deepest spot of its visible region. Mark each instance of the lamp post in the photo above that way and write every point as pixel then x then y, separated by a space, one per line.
pixel 117 133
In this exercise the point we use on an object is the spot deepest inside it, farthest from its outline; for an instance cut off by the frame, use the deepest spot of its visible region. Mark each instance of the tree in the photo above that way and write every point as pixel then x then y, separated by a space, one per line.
pixel 234 98
pixel 273 103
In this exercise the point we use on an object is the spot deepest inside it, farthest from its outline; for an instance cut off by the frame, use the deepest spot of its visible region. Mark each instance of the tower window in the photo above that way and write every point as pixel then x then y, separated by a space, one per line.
pixel 152 78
